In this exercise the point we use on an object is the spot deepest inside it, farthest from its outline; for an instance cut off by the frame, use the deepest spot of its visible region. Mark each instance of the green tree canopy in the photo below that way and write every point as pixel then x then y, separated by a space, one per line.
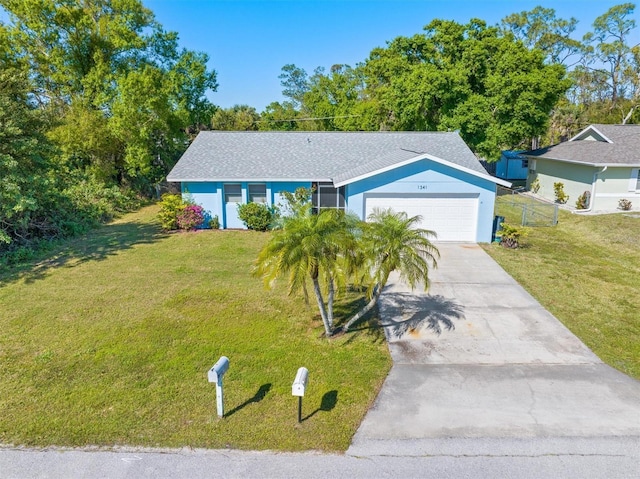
pixel 96 100
pixel 541 29
pixel 280 116
pixel 23 159
pixel 236 118
pixel 109 67
pixel 479 80
pixel 489 86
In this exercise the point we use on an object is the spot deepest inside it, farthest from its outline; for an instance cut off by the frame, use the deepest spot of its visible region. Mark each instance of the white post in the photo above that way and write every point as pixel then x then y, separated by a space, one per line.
pixel 298 387
pixel 220 398
pixel 215 376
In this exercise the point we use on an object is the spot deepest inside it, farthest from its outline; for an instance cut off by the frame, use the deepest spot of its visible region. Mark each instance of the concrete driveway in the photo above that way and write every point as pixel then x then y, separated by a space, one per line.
pixel 478 357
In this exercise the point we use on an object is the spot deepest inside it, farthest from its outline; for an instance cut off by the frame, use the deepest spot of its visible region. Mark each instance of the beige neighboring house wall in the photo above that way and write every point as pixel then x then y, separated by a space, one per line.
pixel 602 159
pixel 615 184
pixel 576 178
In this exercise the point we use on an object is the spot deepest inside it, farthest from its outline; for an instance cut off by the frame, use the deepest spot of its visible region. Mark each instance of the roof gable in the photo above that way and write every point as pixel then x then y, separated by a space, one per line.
pixel 597 145
pixel 591 133
pixel 372 172
pixel 340 157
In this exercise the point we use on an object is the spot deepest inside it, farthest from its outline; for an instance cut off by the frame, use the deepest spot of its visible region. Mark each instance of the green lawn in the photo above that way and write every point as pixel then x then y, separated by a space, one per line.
pixel 586 271
pixel 108 342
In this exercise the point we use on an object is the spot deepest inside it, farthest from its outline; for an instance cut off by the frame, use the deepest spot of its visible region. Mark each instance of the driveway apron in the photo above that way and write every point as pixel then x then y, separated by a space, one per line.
pixel 478 357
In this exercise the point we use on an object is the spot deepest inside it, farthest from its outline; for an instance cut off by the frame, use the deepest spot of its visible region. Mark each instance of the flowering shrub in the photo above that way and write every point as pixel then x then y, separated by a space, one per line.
pixel 190 217
pixel 535 185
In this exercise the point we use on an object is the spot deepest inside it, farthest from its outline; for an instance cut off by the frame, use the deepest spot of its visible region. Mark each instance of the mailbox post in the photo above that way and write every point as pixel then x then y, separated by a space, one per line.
pixel 216 373
pixel 298 388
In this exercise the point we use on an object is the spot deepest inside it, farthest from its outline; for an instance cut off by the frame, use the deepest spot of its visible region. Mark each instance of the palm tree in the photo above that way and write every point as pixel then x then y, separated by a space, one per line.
pixel 312 246
pixel 391 242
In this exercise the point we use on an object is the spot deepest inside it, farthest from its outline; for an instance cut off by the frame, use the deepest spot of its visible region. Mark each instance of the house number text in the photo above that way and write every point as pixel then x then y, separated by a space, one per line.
pixel 422 187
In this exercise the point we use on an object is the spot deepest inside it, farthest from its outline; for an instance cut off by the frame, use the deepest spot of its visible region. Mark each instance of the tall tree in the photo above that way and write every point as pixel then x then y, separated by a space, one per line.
pixel 608 49
pixel 391 242
pixel 470 78
pixel 338 100
pixel 541 29
pixel 24 164
pixel 111 59
pixel 295 84
pixel 311 247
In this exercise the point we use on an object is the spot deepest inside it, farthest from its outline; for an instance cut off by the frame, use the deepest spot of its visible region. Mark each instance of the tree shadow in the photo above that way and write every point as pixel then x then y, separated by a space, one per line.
pixel 328 402
pixel 402 313
pixel 257 397
pixel 369 323
pixel 96 245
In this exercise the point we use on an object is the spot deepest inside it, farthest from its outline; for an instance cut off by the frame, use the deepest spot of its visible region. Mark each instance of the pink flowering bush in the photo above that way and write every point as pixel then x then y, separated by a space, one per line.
pixel 190 217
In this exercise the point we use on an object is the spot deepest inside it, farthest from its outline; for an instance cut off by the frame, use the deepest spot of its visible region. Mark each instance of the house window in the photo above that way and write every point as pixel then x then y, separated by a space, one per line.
pixel 233 193
pixel 638 181
pixel 326 196
pixel 525 163
pixel 257 193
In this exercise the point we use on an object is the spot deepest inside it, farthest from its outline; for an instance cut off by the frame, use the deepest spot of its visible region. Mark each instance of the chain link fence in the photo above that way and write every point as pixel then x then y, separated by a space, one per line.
pixel 531 211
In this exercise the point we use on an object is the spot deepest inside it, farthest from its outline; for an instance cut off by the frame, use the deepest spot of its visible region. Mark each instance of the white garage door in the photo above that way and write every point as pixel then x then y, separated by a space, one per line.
pixel 452 218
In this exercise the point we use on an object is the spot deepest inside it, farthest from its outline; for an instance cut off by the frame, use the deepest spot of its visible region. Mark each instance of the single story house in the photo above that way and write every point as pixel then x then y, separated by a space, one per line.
pixel 603 160
pixel 432 174
pixel 512 166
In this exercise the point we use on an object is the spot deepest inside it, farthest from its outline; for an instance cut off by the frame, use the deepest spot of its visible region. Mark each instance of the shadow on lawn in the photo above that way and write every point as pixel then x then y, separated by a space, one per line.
pixel 369 323
pixel 257 397
pixel 96 245
pixel 328 402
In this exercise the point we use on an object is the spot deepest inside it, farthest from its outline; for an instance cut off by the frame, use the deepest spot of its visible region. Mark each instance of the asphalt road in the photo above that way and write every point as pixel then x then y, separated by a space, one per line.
pixel 443 458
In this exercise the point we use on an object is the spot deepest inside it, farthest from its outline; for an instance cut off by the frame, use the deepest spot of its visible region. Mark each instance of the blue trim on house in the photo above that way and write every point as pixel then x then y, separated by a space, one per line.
pixel 210 195
pixel 428 179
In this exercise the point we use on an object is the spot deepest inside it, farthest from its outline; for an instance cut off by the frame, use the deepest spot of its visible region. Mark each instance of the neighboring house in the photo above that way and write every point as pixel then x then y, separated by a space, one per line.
pixel 432 174
pixel 603 160
pixel 512 166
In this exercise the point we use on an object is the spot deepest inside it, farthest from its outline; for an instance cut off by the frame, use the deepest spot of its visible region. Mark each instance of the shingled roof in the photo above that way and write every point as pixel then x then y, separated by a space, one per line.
pixel 340 157
pixel 597 145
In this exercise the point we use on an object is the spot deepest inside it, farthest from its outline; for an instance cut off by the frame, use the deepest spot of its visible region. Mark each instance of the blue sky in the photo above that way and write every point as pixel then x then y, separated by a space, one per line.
pixel 249 41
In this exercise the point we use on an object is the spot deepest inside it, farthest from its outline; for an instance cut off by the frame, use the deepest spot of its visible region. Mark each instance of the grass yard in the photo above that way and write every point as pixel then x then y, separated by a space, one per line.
pixel 108 342
pixel 586 271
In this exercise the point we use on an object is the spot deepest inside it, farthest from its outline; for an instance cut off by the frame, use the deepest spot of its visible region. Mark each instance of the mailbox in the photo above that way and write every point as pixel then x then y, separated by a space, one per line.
pixel 218 370
pixel 300 382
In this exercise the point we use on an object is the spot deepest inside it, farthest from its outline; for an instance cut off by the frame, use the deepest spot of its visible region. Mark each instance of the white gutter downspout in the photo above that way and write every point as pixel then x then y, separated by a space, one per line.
pixel 592 198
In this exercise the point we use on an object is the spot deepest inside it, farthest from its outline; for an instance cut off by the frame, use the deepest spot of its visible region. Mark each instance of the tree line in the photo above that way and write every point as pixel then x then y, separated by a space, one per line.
pixel 98 101
pixel 525 82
